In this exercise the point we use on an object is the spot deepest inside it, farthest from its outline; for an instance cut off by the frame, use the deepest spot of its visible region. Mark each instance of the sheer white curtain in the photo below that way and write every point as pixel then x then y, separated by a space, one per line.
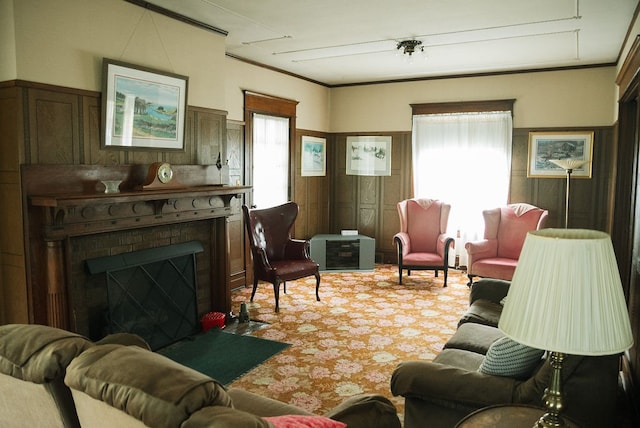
pixel 270 160
pixel 463 159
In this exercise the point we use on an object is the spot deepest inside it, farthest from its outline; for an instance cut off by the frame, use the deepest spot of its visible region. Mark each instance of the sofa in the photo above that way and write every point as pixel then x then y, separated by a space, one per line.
pixel 55 378
pixel 477 368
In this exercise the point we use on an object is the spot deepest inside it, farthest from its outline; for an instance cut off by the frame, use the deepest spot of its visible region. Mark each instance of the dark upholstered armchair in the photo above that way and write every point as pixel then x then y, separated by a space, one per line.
pixel 505 228
pixel 422 242
pixel 276 257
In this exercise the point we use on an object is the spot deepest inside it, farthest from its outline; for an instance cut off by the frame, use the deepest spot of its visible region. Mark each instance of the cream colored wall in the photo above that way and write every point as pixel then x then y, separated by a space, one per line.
pixel 63 42
pixel 7 42
pixel 547 99
pixel 313 99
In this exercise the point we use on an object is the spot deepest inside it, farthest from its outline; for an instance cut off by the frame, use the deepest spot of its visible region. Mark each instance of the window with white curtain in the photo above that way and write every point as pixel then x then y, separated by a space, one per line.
pixel 270 160
pixel 463 159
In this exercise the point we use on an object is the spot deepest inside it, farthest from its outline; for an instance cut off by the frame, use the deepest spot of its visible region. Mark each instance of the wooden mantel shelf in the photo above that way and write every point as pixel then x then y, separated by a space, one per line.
pixel 77 199
pixel 76 214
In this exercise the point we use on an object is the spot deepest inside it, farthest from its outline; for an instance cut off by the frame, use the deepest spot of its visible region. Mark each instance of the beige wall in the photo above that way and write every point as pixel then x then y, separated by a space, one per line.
pixel 7 42
pixel 313 99
pixel 63 42
pixel 546 99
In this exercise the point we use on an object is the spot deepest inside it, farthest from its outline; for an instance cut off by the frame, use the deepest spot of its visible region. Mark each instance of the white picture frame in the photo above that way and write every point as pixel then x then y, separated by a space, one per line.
pixel 313 156
pixel 368 155
pixel 142 108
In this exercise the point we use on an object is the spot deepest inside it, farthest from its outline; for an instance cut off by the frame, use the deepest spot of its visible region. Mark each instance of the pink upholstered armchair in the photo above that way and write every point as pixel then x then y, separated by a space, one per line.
pixel 422 242
pixel 505 229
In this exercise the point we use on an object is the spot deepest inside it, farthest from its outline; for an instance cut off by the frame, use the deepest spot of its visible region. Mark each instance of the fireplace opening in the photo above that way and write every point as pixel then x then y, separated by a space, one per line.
pixel 152 292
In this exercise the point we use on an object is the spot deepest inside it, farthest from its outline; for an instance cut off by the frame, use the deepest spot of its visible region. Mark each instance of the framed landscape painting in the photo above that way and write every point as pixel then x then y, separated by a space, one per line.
pixel 142 108
pixel 314 156
pixel 545 146
pixel 369 155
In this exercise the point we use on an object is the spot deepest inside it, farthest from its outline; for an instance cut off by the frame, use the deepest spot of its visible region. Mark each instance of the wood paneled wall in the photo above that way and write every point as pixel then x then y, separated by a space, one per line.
pixel 43 124
pixel 369 203
pixel 46 124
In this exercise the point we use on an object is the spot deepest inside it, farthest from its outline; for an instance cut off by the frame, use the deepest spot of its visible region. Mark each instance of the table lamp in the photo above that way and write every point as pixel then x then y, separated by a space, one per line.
pixel 566 298
pixel 568 165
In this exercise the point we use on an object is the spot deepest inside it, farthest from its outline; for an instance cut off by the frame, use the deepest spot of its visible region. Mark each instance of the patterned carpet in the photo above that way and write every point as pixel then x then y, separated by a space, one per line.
pixel 350 342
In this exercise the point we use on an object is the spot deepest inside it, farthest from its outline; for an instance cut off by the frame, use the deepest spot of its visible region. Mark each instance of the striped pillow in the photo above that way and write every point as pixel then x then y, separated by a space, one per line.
pixel 506 357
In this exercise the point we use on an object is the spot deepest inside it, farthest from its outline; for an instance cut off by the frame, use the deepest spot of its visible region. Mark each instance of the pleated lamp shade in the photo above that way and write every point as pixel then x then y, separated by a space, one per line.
pixel 566 295
pixel 569 163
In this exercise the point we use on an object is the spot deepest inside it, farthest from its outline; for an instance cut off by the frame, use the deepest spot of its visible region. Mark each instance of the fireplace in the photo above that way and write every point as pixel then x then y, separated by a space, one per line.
pixel 151 293
pixel 70 221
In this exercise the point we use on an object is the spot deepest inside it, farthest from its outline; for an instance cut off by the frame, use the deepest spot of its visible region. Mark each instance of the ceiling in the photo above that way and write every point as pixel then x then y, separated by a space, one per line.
pixel 339 42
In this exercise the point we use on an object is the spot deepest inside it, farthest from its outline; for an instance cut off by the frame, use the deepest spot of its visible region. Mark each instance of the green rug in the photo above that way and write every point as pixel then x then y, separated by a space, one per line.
pixel 222 356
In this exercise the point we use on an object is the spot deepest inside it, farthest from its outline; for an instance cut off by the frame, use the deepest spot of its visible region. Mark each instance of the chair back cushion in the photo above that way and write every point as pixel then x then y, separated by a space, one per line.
pixel 515 221
pixel 424 224
pixel 270 228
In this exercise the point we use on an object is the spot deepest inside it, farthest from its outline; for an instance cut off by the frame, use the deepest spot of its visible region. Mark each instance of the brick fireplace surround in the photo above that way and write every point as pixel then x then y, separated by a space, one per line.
pixel 70 219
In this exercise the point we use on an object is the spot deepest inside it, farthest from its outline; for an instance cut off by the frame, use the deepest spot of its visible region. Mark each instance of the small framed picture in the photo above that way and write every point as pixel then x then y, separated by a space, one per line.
pixel 369 155
pixel 142 108
pixel 547 146
pixel 314 156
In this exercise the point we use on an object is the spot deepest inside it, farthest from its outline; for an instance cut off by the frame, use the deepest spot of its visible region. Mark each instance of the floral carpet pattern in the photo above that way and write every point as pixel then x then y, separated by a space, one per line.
pixel 350 342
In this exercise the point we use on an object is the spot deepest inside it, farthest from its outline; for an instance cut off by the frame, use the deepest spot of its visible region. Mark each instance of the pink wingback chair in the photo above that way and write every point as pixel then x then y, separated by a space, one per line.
pixel 422 242
pixel 505 229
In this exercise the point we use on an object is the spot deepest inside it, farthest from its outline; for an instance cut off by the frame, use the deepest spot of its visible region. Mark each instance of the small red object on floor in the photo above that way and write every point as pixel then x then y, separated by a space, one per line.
pixel 212 319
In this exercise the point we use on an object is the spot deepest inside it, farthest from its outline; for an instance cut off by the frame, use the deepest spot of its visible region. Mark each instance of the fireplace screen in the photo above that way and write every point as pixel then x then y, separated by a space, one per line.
pixel 152 293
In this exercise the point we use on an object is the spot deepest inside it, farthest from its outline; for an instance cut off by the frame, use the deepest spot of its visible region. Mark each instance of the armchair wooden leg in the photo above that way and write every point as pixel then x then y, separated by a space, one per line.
pixel 445 275
pixel 317 286
pixel 255 287
pixel 470 280
pixel 400 274
pixel 276 292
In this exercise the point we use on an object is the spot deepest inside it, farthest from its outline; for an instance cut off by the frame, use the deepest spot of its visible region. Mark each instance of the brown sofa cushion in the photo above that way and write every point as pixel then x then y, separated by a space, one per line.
pixel 148 386
pixel 366 411
pixel 460 359
pixel 224 417
pixel 482 312
pixel 38 353
pixel 474 337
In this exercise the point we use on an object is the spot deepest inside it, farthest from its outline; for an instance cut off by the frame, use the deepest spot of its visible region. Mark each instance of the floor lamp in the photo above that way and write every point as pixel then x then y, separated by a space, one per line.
pixel 568 165
pixel 566 298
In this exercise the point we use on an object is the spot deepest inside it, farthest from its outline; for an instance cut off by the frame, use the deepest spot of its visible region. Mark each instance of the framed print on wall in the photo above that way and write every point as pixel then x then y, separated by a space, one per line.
pixel 314 156
pixel 545 146
pixel 369 155
pixel 142 108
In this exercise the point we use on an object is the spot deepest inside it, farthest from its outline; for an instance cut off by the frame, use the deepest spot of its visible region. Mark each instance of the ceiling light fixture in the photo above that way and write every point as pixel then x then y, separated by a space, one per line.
pixel 410 46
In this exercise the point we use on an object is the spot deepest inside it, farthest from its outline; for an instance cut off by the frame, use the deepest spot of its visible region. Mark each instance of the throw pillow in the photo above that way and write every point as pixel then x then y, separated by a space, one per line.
pixel 303 421
pixel 506 357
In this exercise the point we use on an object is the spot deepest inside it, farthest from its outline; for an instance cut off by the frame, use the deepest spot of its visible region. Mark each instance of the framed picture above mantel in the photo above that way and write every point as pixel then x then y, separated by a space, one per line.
pixel 547 146
pixel 142 108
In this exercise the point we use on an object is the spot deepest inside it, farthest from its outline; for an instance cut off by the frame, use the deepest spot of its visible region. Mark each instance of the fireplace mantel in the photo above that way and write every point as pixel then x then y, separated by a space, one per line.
pixel 67 202
pixel 67 215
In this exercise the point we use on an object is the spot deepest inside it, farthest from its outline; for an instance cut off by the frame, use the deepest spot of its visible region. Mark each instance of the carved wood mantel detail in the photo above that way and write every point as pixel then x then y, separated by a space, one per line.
pixel 79 214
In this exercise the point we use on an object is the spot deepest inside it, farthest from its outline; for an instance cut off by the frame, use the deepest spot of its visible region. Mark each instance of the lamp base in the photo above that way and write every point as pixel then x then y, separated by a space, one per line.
pixel 552 397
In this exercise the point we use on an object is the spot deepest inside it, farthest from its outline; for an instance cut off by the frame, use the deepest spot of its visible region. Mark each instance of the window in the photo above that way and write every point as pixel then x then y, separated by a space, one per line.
pixel 464 159
pixel 271 160
pixel 270 125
